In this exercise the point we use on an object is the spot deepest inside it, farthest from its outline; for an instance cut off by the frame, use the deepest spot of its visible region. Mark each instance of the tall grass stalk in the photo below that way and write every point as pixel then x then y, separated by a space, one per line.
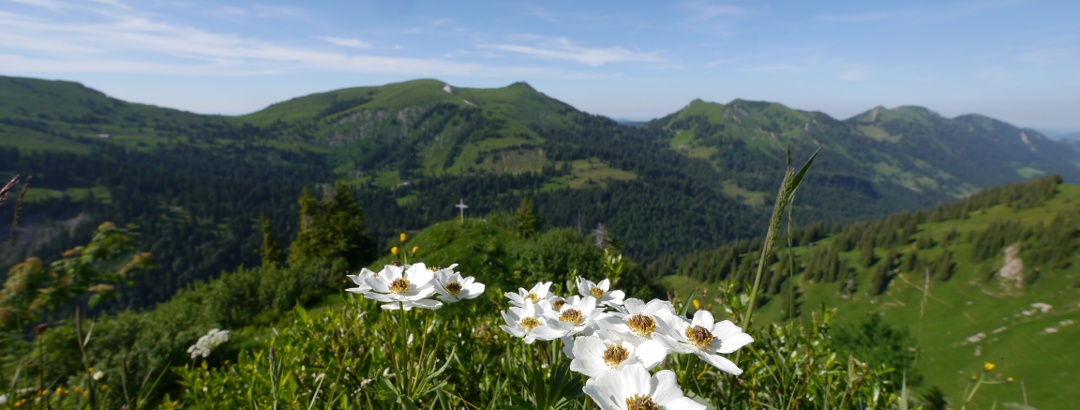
pixel 791 182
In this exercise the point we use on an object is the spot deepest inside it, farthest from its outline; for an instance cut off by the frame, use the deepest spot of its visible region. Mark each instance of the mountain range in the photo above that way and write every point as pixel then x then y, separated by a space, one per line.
pixel 695 178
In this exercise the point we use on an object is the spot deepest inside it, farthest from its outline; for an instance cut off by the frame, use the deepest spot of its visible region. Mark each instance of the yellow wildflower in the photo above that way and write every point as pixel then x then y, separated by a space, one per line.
pixel 988 366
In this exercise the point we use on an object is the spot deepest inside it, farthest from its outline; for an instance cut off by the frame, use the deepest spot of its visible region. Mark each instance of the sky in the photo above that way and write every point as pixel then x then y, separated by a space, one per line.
pixel 1014 60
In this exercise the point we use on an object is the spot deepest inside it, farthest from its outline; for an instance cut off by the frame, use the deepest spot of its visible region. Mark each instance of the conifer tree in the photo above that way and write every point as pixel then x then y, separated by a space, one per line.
pixel 528 222
pixel 270 251
pixel 332 228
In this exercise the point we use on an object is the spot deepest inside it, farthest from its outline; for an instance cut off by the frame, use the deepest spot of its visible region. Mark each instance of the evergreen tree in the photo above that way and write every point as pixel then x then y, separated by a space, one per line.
pixel 528 222
pixel 331 229
pixel 270 251
pixel 866 254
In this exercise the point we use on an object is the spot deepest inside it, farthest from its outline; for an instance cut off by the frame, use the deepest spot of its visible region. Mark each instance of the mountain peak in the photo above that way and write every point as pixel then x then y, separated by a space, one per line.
pixel 522 84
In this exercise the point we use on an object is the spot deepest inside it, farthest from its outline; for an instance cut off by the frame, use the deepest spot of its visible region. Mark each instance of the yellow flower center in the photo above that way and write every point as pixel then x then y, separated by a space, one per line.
pixel 558 304
pixel 572 316
pixel 529 323
pixel 614 355
pixel 639 402
pixel 453 288
pixel 641 325
pixel 533 297
pixel 596 292
pixel 699 337
pixel 399 286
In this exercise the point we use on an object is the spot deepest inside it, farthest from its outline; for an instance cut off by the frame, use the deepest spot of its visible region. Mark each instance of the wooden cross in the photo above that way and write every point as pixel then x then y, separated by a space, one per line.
pixel 461 207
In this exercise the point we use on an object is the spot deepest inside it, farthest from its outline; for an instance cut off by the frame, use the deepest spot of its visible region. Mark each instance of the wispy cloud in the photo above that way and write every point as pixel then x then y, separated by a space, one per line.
pixel 564 49
pixel 918 14
pixel 867 17
pixel 345 42
pixel 130 42
pixel 541 13
pixel 1047 56
pixel 708 10
pixel 48 4
pixel 855 74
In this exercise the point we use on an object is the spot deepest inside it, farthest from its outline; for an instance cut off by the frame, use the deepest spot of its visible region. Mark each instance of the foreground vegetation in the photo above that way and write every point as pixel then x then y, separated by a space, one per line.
pixel 297 340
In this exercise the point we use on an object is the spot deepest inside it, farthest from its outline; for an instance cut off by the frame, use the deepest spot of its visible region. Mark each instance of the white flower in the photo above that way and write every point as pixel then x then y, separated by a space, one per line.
pixel 3 399
pixel 360 281
pixel 452 287
pixel 705 338
pixel 523 321
pixel 632 388
pixel 638 320
pixel 538 293
pixel 600 291
pixel 207 343
pixel 573 318
pixel 97 375
pixel 593 355
pixel 403 287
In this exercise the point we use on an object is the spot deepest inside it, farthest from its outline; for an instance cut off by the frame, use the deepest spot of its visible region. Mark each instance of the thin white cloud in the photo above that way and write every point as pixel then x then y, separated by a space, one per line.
pixel 856 17
pixel 564 49
pixel 855 74
pixel 132 43
pixel 541 13
pixel 48 4
pixel 345 42
pixel 1047 56
pixel 708 10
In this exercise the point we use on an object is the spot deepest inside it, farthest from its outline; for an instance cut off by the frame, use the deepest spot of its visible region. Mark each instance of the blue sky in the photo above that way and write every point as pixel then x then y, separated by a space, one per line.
pixel 1015 60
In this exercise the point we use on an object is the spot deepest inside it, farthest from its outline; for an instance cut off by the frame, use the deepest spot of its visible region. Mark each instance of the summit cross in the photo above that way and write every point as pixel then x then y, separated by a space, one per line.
pixel 461 208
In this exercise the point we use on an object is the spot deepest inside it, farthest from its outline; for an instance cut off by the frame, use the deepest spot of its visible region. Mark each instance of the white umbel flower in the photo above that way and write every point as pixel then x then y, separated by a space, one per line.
pixel 705 338
pixel 208 342
pixel 451 287
pixel 403 287
pixel 633 388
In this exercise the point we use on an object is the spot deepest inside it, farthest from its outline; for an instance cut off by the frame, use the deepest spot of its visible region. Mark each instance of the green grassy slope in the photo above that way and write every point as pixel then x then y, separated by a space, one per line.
pixel 1027 329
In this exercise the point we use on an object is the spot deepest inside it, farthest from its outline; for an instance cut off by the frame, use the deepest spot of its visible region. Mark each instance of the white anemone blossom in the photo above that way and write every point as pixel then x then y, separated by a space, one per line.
pixel 637 321
pixel 573 318
pixel 207 343
pixel 601 291
pixel 705 338
pixel 451 287
pixel 633 388
pixel 360 281
pixel 538 293
pixel 593 355
pixel 523 321
pixel 403 287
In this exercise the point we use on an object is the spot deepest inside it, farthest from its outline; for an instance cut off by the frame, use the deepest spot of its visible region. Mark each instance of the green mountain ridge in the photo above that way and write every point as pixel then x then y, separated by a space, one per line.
pixel 909 146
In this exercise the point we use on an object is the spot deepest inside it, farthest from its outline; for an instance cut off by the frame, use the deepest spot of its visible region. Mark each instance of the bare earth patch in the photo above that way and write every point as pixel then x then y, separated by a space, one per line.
pixel 1011 273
